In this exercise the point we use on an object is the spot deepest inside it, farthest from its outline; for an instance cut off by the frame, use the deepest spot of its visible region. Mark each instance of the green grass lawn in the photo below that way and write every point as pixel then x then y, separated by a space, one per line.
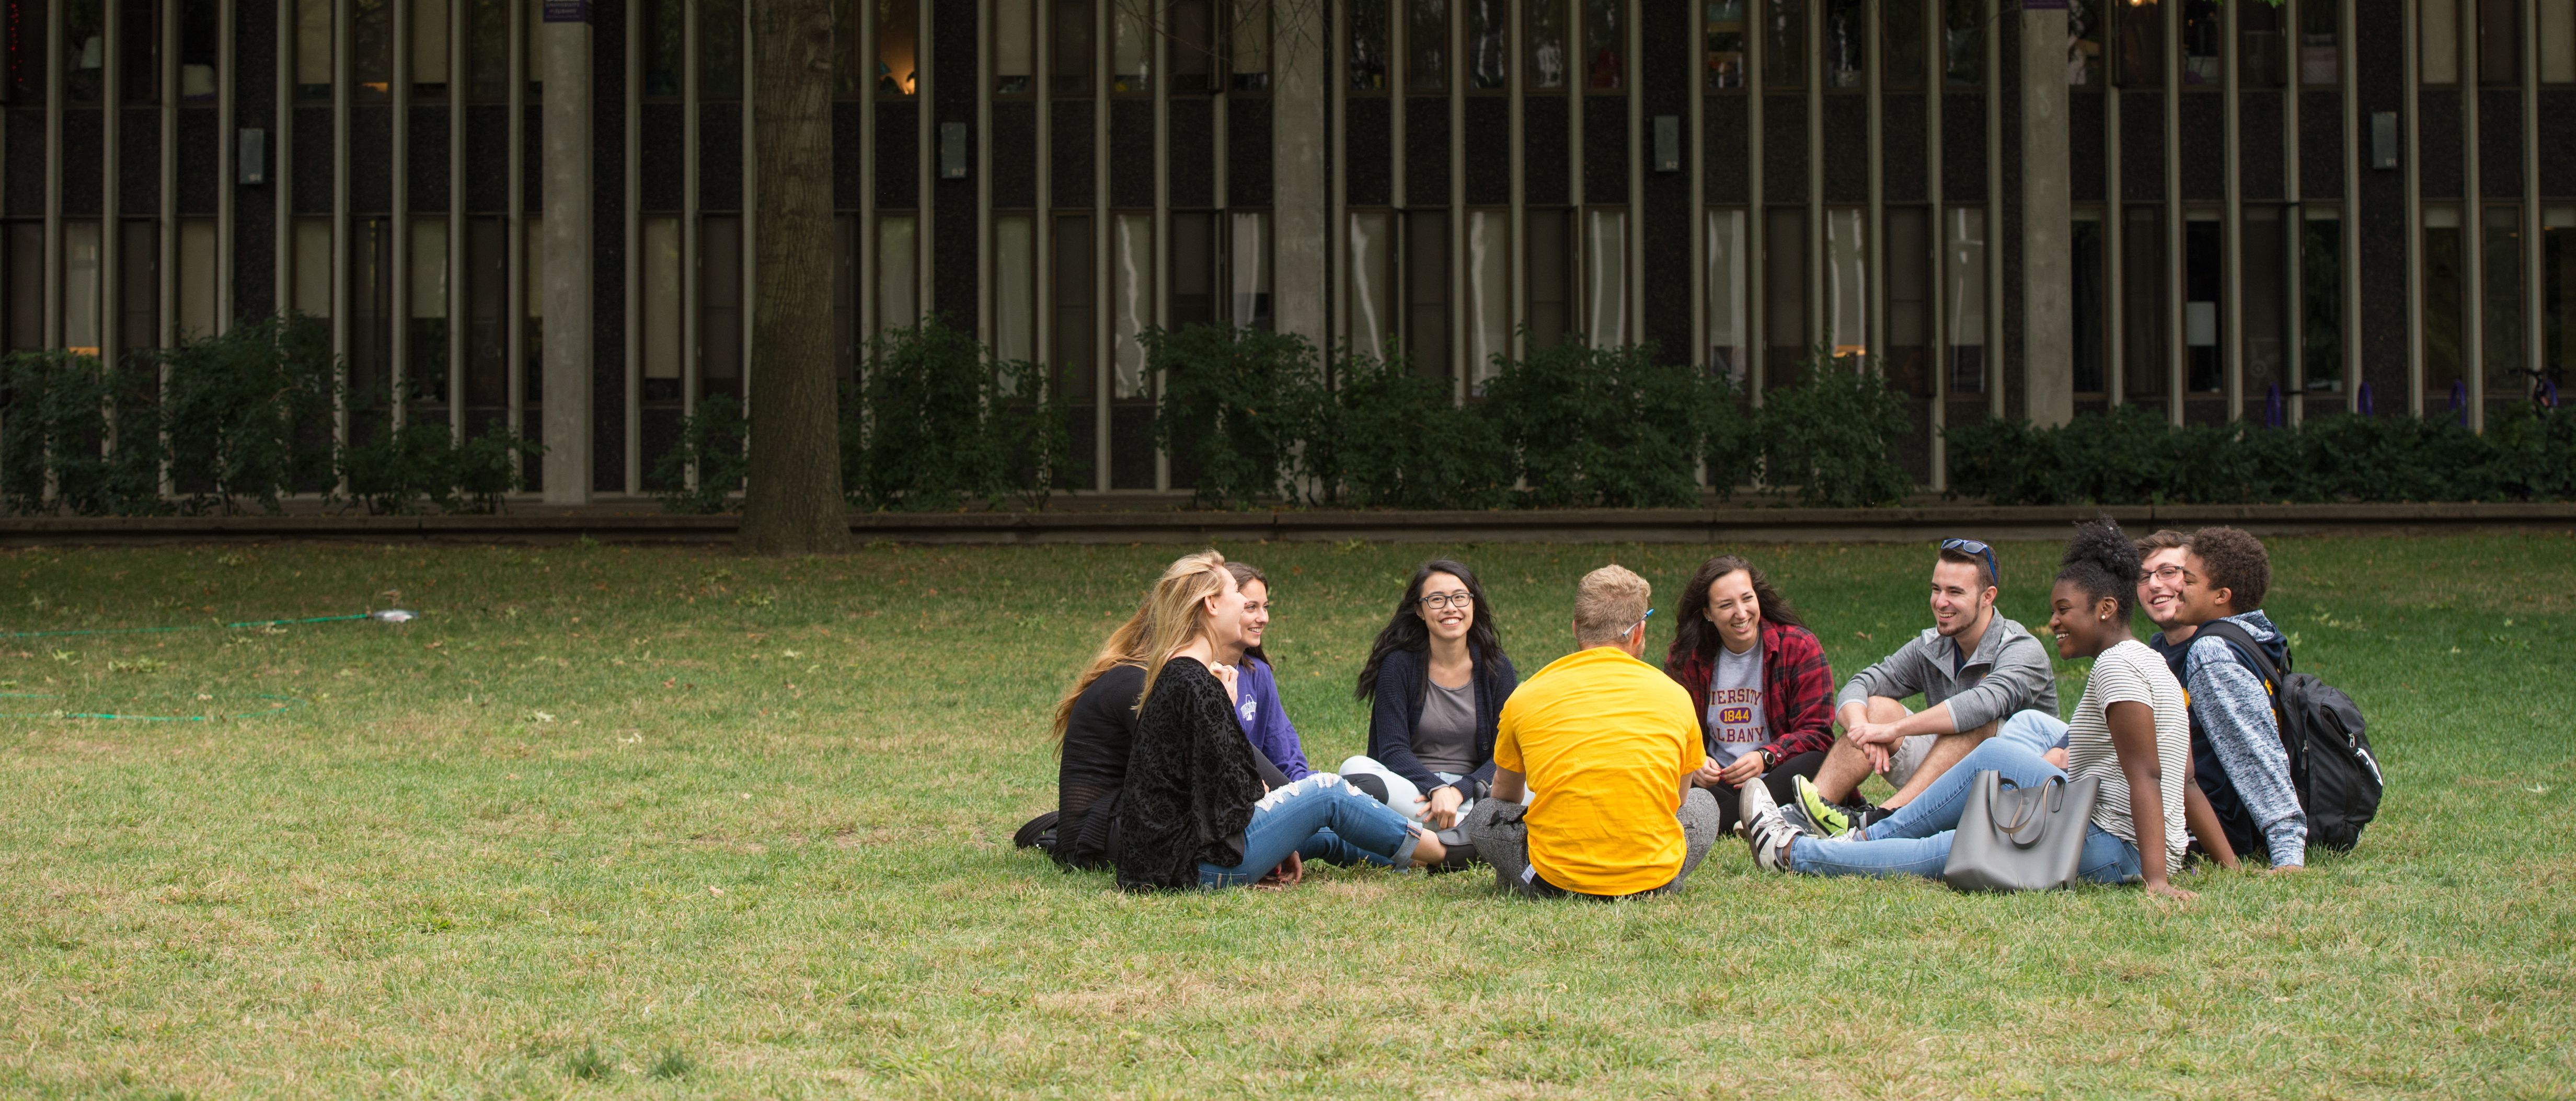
pixel 665 822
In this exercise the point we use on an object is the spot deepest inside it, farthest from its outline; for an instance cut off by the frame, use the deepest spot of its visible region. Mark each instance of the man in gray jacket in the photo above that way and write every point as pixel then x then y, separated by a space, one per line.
pixel 1974 669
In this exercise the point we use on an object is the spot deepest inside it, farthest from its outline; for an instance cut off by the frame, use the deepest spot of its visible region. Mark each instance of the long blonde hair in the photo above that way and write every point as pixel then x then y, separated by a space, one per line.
pixel 1129 644
pixel 1173 615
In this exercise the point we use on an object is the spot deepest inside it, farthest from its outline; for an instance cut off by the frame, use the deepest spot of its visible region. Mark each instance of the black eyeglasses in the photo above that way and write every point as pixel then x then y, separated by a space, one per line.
pixel 1439 602
pixel 1994 573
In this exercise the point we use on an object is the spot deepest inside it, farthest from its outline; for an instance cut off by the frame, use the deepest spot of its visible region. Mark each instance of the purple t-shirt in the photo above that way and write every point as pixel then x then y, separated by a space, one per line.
pixel 1256 707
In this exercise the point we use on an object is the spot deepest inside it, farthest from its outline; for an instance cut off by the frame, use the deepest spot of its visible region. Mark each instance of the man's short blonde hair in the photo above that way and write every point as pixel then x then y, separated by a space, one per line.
pixel 1607 601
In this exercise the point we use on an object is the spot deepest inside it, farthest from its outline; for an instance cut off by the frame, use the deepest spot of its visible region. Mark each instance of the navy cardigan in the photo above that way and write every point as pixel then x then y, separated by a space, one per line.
pixel 1401 684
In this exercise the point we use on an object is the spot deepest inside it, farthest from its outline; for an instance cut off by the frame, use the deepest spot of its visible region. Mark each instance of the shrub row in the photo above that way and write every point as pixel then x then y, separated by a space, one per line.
pixel 225 422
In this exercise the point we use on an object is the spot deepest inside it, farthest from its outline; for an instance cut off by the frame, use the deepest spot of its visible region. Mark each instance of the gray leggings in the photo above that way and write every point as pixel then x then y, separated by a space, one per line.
pixel 1502 840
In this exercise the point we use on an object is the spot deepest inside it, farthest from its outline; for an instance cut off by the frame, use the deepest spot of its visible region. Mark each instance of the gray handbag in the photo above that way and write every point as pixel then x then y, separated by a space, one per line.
pixel 2013 838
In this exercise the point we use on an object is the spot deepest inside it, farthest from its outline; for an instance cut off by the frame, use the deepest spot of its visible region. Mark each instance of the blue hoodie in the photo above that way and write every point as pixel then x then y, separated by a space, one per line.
pixel 1264 721
pixel 2231 714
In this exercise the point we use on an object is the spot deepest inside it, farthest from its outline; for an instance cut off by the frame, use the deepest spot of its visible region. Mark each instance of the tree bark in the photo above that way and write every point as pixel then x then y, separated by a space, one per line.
pixel 793 503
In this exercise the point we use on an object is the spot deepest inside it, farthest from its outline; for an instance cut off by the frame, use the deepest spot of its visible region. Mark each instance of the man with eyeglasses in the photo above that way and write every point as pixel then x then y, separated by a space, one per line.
pixel 1974 669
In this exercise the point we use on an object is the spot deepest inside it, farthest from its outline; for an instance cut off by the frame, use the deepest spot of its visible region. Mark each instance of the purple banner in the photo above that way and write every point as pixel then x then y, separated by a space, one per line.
pixel 2043 5
pixel 578 11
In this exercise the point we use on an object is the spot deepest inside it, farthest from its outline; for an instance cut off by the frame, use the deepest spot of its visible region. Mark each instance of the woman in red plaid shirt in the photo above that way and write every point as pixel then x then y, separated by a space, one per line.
pixel 1757 678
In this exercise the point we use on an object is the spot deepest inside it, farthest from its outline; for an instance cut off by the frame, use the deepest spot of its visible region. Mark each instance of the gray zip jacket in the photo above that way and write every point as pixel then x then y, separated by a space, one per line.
pixel 2008 672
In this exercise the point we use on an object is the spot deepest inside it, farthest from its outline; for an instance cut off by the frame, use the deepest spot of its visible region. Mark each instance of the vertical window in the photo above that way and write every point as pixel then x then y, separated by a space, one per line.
pixel 1552 280
pixel 1368 45
pixel 850 71
pixel 1725 43
pixel 2264 276
pixel 429 48
pixel 1846 42
pixel 2203 283
pixel 84 46
pixel 24 319
pixel 1488 24
pixel 2558 41
pixel 720 50
pixel 1131 302
pixel 1193 47
pixel 1901 42
pixel 2201 40
pixel 82 329
pixel 1784 47
pixel 2321 301
pixel 371 310
pixel 139 60
pixel 2500 295
pixel 28 53
pixel 198 278
pixel 2318 60
pixel 138 286
pixel 2088 287
pixel 536 35
pixel 1543 30
pixel 1131 47
pixel 1250 60
pixel 2557 294
pixel 898 34
pixel 1726 316
pixel 1605 277
pixel 1964 290
pixel 2260 46
pixel 2142 306
pixel 2499 42
pixel 1015 307
pixel 1193 269
pixel 312 273
pixel 487 50
pixel 1073 39
pixel 1489 293
pixel 2138 45
pixel 1963 43
pixel 487 303
pixel 1248 268
pixel 1847 281
pixel 1427 40
pixel 371 47
pixel 898 278
pixel 2439 33
pixel 661 29
pixel 1372 285
pixel 720 305
pixel 2084 42
pixel 845 292
pixel 312 49
pixel 1073 288
pixel 663 298
pixel 1909 299
pixel 1605 44
pixel 1426 285
pixel 1015 53
pixel 1784 294
pixel 428 312
pixel 2444 299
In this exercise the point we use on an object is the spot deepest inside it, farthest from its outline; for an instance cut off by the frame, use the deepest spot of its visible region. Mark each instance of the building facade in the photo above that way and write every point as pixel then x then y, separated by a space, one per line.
pixel 538 212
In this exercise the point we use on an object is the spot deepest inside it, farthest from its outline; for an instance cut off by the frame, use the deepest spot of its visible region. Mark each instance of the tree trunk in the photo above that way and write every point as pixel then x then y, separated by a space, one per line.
pixel 793 504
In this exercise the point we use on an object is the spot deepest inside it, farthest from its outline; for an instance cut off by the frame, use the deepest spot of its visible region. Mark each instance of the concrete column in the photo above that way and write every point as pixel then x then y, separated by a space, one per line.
pixel 1301 188
pixel 565 282
pixel 2048 309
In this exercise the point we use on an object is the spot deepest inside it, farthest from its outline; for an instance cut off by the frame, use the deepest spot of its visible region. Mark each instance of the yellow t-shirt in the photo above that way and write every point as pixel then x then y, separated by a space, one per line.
pixel 1605 740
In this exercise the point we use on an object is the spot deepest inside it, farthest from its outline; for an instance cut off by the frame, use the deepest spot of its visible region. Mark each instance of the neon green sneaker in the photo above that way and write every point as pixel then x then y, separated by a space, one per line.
pixel 1828 819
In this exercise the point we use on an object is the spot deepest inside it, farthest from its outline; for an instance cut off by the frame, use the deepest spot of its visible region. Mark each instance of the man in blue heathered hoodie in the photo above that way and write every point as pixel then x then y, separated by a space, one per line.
pixel 2236 739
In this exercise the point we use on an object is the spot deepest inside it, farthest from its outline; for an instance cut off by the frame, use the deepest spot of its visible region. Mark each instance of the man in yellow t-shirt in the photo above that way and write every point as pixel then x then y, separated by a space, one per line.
pixel 1608 743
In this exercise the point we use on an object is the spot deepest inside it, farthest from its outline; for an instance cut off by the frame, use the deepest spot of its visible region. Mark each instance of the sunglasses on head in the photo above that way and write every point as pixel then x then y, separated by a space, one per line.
pixel 1970 546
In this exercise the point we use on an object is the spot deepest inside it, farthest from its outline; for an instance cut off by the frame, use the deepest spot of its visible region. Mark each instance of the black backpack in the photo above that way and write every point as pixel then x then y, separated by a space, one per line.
pixel 2331 766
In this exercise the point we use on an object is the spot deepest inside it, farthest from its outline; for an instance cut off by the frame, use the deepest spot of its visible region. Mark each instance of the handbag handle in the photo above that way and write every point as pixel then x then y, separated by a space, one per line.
pixel 2032 807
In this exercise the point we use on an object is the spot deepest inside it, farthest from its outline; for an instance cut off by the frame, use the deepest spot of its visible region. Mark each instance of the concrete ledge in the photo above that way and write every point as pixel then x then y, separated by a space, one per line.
pixel 626 524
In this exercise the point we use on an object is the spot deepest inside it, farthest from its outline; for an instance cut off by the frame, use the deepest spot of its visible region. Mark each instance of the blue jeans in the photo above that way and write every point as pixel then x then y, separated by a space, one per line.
pixel 2037 731
pixel 1916 839
pixel 1319 818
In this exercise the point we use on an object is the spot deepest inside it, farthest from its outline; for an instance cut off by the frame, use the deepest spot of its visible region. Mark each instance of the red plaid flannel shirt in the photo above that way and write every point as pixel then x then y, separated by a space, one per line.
pixel 1797 690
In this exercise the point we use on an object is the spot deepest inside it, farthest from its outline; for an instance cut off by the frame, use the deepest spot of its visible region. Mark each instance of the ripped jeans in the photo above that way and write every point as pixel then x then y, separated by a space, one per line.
pixel 1320 818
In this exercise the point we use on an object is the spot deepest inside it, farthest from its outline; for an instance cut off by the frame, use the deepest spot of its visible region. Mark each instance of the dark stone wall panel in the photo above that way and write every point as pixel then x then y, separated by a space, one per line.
pixel 1728 176
pixel 956 274
pixel 608 249
pixel 428 168
pixel 720 155
pixel 1784 162
pixel 1192 177
pixel 2007 196
pixel 1605 149
pixel 201 162
pixel 371 160
pixel 2500 144
pixel 1963 148
pixel 1368 174
pixel 2379 47
pixel 84 167
pixel 662 134
pixel 2142 146
pixel 1666 226
pixel 2258 145
pixel 1489 150
pixel 2439 170
pixel 532 160
pixel 2087 152
pixel 2204 147
pixel 898 156
pixel 1247 155
pixel 1131 153
pixel 1015 155
pixel 138 162
pixel 1846 149
pixel 26 168
pixel 1906 169
pixel 2321 145
pixel 2557 148
pixel 1069 147
pixel 1547 150
pixel 254 228
pixel 849 183
pixel 487 159
pixel 1426 151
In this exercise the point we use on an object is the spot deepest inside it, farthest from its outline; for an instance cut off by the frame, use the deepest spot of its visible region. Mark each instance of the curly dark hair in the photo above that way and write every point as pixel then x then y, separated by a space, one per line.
pixel 2236 561
pixel 1407 631
pixel 1691 631
pixel 2102 562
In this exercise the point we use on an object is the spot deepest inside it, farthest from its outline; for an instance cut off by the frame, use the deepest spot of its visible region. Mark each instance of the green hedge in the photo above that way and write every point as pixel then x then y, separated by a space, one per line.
pixel 229 422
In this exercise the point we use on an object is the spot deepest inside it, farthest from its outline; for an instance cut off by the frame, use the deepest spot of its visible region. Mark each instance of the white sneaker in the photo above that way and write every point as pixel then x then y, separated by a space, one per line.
pixel 1766 832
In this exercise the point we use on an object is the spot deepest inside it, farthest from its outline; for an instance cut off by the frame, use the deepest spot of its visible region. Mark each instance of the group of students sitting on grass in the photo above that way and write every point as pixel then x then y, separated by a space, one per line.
pixel 1604 776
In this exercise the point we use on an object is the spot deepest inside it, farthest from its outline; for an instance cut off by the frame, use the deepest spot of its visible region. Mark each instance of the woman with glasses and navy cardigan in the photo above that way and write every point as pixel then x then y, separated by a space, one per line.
pixel 1436 680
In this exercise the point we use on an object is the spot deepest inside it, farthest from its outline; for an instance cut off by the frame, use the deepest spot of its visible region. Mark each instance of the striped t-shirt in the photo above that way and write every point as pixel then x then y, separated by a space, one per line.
pixel 2130 672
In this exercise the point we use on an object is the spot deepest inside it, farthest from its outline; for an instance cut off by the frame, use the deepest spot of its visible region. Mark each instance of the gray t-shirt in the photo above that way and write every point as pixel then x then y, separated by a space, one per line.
pixel 1445 739
pixel 1737 722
